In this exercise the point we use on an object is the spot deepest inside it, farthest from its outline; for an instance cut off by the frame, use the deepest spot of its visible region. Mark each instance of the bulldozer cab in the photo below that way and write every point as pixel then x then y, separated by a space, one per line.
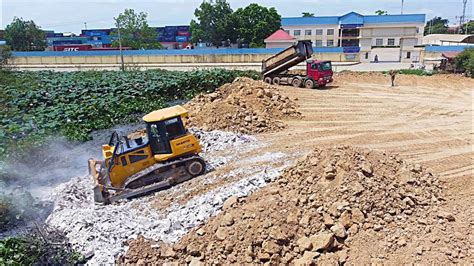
pixel 160 133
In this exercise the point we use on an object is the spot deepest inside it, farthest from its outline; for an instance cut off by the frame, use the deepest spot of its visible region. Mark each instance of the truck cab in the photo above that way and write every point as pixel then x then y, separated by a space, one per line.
pixel 320 71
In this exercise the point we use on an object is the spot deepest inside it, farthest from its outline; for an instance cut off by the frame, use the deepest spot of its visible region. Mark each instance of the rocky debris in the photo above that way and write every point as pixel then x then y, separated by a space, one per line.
pixel 104 230
pixel 217 140
pixel 245 105
pixel 304 217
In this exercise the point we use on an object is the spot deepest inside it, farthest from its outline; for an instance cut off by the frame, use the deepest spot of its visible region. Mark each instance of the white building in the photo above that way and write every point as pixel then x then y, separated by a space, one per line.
pixel 390 37
pixel 448 39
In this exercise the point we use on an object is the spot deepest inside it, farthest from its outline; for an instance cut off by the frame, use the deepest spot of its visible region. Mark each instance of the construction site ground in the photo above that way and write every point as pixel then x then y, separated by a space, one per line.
pixel 426 120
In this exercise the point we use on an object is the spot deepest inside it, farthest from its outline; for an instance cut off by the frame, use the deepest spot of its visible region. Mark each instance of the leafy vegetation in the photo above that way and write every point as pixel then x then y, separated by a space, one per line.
pixel 255 23
pixel 29 250
pixel 5 55
pixel 307 15
pixel 217 23
pixel 22 35
pixel 39 104
pixel 214 23
pixel 437 25
pixel 467 28
pixel 134 31
pixel 465 61
pixel 381 12
pixel 418 72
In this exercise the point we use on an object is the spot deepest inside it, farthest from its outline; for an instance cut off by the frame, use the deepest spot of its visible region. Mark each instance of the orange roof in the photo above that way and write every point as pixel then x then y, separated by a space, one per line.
pixel 280 35
pixel 450 55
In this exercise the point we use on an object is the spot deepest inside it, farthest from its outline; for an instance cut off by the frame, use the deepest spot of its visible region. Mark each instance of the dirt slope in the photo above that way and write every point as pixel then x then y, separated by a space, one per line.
pixel 316 210
pixel 245 106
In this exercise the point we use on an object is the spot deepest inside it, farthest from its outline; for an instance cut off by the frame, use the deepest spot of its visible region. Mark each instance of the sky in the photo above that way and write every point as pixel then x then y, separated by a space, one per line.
pixel 70 15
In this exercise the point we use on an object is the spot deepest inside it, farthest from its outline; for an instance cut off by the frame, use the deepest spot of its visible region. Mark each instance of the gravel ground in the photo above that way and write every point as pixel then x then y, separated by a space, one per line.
pixel 105 230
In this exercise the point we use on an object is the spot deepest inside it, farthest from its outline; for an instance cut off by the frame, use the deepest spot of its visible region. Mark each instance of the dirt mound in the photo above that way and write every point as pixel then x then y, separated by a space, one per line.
pixel 315 212
pixel 245 105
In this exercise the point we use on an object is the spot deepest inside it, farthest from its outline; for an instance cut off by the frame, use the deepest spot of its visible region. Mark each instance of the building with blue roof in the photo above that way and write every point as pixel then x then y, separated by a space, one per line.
pixel 371 37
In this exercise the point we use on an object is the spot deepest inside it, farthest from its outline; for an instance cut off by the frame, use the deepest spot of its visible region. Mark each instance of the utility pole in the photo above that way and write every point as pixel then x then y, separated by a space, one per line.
pixel 431 25
pixel 463 17
pixel 120 45
pixel 403 1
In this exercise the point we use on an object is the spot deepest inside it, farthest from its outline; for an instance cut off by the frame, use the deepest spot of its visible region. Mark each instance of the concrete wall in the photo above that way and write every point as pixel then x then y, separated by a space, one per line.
pixel 158 59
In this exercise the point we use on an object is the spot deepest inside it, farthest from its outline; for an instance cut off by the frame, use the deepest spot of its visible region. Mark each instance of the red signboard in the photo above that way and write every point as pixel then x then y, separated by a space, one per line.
pixel 72 48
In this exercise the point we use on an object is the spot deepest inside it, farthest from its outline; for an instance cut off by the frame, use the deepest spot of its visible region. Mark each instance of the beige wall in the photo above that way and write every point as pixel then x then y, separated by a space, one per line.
pixel 159 59
pixel 148 59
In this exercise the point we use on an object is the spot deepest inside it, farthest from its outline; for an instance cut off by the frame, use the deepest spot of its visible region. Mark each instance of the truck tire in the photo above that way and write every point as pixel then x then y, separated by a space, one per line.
pixel 309 84
pixel 276 81
pixel 268 80
pixel 296 82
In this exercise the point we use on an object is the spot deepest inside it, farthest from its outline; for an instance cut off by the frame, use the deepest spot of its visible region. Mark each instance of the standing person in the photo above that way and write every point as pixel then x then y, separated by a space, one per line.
pixel 392 74
pixel 376 59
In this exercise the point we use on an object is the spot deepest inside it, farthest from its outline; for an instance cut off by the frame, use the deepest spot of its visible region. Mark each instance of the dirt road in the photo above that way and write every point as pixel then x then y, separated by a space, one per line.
pixel 426 119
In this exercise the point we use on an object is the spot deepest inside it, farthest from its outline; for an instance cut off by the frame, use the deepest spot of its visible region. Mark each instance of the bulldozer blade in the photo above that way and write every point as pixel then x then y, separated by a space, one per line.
pixel 93 168
pixel 98 196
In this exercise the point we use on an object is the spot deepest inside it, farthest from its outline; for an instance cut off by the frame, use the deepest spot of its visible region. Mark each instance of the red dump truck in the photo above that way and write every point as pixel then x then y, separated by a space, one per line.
pixel 275 68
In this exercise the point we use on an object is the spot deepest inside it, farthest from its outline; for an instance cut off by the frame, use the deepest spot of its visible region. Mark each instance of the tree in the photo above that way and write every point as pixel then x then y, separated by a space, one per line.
pixel 381 12
pixel 22 35
pixel 5 55
pixel 437 25
pixel 214 23
pixel 467 28
pixel 135 32
pixel 307 15
pixel 465 60
pixel 255 23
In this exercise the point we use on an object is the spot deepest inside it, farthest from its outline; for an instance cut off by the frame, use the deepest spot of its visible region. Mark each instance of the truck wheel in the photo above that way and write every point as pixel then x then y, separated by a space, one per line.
pixel 276 81
pixel 309 84
pixel 296 82
pixel 268 80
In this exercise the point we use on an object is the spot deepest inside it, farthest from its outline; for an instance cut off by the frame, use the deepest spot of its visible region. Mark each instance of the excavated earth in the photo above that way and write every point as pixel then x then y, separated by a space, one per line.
pixel 384 176
pixel 245 106
pixel 315 211
pixel 400 193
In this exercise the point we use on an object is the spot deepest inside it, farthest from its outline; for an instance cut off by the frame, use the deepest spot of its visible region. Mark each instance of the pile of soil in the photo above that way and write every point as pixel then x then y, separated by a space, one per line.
pixel 245 106
pixel 321 210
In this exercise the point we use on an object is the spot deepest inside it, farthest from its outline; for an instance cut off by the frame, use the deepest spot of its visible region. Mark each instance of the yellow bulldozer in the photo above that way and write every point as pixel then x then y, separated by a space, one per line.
pixel 167 154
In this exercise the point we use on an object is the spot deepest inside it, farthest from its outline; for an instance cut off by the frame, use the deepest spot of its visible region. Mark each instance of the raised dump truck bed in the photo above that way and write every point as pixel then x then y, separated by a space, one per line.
pixel 275 68
pixel 287 58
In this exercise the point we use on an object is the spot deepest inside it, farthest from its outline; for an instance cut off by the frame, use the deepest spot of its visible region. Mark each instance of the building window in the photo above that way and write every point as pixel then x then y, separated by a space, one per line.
pixel 330 32
pixel 330 43
pixel 391 42
pixel 408 55
pixel 379 42
pixel 318 43
pixel 307 32
pixel 287 31
pixel 296 33
pixel 319 32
